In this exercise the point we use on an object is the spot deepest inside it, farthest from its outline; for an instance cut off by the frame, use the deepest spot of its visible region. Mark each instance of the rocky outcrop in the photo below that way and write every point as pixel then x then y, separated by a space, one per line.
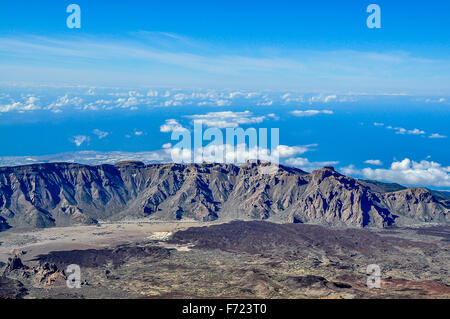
pixel 14 263
pixel 336 199
pixel 45 274
pixel 50 275
pixel 418 204
pixel 61 194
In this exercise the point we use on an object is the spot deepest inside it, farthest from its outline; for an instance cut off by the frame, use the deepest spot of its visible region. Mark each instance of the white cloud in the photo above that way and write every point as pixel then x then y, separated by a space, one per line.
pixel 152 93
pixel 322 98
pixel 437 135
pixel 374 162
pixel 131 103
pixel 329 98
pixel 227 119
pixel 65 100
pixel 28 103
pixel 286 96
pixel 100 134
pixel 351 170
pixel 283 151
pixel 306 165
pixel 408 172
pixel 80 140
pixel 403 131
pixel 235 94
pixel 218 102
pixel 173 103
pixel 310 112
pixel 265 102
pixel 416 131
pixel 172 125
pixel 289 98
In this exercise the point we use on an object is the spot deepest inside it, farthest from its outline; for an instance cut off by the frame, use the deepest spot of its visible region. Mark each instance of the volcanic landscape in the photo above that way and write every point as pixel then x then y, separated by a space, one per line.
pixel 217 231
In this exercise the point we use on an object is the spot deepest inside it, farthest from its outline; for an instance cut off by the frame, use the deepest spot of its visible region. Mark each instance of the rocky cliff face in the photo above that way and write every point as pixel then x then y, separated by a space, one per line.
pixel 61 194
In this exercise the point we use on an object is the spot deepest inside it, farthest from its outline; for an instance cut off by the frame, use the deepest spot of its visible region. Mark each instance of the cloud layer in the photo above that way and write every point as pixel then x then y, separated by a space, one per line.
pixel 408 172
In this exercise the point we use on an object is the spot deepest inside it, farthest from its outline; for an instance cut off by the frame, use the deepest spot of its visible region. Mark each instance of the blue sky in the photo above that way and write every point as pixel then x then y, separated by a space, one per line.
pixel 309 45
pixel 375 103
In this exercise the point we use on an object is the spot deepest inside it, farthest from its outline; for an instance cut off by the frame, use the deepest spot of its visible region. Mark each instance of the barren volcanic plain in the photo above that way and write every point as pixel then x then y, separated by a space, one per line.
pixel 252 259
pixel 217 231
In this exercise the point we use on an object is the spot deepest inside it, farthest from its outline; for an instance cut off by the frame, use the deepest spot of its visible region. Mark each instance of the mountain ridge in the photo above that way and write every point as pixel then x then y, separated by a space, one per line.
pixel 62 194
